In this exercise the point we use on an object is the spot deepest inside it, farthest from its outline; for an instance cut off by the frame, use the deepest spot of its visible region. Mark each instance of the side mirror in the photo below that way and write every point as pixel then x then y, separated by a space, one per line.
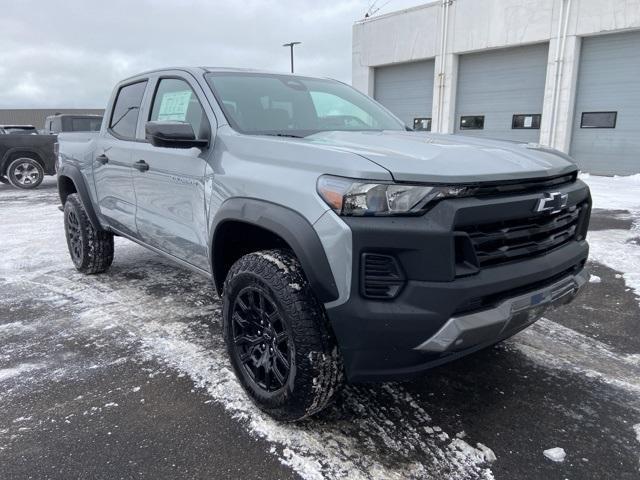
pixel 173 135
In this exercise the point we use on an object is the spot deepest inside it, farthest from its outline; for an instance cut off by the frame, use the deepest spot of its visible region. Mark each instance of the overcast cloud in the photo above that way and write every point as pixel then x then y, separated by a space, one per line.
pixel 69 53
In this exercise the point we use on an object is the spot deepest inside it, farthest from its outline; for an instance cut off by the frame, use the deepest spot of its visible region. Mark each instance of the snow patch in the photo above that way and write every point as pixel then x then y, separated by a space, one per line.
pixel 594 279
pixel 614 249
pixel 8 373
pixel 556 454
pixel 14 328
pixel 636 428
pixel 276 261
pixel 553 345
pixel 481 454
pixel 614 193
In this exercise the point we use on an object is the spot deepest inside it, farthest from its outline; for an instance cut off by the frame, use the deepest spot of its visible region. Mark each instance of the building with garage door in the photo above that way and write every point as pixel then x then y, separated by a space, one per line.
pixel 564 73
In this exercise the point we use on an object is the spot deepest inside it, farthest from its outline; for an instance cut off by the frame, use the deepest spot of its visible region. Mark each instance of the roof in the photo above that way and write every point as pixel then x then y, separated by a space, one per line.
pixel 199 70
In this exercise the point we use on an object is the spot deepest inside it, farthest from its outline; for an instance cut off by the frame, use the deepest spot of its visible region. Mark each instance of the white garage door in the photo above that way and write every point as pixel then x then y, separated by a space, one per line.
pixel 407 90
pixel 500 93
pixel 606 128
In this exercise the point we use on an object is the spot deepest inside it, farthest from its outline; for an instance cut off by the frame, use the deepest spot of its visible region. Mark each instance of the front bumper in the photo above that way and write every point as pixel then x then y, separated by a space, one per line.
pixel 507 318
pixel 445 310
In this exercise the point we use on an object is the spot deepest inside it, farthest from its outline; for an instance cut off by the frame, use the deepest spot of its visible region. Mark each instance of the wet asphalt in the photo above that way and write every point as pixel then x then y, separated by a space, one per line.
pixel 87 404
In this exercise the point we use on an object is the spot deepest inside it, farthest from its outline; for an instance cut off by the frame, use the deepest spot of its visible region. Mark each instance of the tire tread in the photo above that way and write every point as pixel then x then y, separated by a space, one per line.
pixel 319 371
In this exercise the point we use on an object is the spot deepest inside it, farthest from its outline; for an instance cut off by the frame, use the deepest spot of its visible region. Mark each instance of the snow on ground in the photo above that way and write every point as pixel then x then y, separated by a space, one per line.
pixel 556 454
pixel 614 193
pixel 617 249
pixel 555 346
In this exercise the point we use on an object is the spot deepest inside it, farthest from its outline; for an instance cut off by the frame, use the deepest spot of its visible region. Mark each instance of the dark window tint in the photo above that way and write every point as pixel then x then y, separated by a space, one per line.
pixel 85 124
pixel 598 120
pixel 526 121
pixel 125 112
pixel 422 124
pixel 174 101
pixel 475 122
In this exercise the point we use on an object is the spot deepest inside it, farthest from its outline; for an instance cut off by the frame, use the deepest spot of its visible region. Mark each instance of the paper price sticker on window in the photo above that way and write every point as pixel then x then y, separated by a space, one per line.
pixel 174 105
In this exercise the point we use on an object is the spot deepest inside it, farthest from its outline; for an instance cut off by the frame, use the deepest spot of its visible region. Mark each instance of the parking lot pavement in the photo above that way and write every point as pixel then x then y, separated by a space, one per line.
pixel 124 375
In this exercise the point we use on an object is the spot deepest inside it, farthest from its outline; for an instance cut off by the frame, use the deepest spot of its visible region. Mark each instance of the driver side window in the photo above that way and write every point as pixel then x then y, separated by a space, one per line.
pixel 175 101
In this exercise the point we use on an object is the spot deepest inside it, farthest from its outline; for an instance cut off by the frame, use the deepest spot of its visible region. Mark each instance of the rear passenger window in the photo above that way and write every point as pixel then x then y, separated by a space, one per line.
pixel 124 117
pixel 175 101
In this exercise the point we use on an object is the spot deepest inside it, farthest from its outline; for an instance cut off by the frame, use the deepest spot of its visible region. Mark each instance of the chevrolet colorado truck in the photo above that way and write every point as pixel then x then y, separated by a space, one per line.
pixel 344 247
pixel 25 156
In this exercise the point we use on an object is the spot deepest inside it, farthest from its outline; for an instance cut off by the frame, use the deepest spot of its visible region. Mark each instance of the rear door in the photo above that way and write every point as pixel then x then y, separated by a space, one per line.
pixel 170 182
pixel 113 162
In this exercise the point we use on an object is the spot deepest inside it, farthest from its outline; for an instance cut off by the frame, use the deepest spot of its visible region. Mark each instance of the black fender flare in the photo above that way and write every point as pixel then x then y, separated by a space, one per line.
pixel 73 173
pixel 289 225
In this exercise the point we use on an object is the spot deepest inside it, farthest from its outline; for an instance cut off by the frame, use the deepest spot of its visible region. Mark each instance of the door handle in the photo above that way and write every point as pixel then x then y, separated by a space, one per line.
pixel 141 165
pixel 103 159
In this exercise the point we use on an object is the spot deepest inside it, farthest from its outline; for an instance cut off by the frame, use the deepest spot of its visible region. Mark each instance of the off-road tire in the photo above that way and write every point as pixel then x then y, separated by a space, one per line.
pixel 25 172
pixel 316 372
pixel 91 250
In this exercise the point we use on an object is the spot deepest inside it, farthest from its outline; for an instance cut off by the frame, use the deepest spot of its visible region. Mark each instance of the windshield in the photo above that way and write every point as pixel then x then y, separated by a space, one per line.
pixel 270 104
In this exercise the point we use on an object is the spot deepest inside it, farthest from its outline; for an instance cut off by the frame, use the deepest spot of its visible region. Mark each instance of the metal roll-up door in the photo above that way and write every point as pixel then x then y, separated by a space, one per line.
pixel 500 93
pixel 606 126
pixel 407 90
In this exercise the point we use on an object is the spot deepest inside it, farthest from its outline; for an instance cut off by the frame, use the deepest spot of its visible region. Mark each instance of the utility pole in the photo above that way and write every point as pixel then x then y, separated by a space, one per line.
pixel 291 45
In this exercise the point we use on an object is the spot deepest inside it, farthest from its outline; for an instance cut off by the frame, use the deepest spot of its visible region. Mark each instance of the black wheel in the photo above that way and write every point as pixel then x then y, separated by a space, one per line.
pixel 91 250
pixel 25 172
pixel 279 341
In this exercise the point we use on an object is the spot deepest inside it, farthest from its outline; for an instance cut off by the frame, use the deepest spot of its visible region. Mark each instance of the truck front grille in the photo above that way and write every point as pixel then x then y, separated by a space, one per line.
pixel 501 242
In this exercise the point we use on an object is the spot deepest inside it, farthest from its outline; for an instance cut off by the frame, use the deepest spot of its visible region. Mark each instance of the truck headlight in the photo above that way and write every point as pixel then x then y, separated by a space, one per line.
pixel 352 197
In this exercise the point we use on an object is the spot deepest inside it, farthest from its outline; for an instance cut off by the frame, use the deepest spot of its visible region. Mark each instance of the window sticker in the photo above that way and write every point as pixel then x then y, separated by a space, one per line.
pixel 174 105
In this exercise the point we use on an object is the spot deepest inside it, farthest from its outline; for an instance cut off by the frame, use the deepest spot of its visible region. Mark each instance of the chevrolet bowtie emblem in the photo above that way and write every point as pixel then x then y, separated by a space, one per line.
pixel 552 202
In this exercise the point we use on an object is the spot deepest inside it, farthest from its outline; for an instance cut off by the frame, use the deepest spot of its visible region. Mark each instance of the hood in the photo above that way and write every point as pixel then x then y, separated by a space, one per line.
pixel 422 157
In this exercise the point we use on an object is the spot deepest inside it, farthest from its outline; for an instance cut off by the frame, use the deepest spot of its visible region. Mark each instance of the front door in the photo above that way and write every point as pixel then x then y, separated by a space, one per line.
pixel 113 161
pixel 170 182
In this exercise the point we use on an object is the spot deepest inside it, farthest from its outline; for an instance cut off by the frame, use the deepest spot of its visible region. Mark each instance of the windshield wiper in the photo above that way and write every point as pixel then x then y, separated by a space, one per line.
pixel 291 135
pixel 124 115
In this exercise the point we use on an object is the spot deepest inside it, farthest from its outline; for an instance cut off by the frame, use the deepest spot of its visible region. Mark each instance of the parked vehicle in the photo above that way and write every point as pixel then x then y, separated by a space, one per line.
pixel 64 122
pixel 18 129
pixel 339 242
pixel 25 156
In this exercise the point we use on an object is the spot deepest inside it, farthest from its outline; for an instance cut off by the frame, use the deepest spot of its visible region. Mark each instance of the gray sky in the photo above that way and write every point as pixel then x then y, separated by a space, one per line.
pixel 69 53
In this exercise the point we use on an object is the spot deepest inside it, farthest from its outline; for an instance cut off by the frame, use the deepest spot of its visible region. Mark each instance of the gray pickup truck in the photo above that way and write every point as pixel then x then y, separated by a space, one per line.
pixel 344 246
